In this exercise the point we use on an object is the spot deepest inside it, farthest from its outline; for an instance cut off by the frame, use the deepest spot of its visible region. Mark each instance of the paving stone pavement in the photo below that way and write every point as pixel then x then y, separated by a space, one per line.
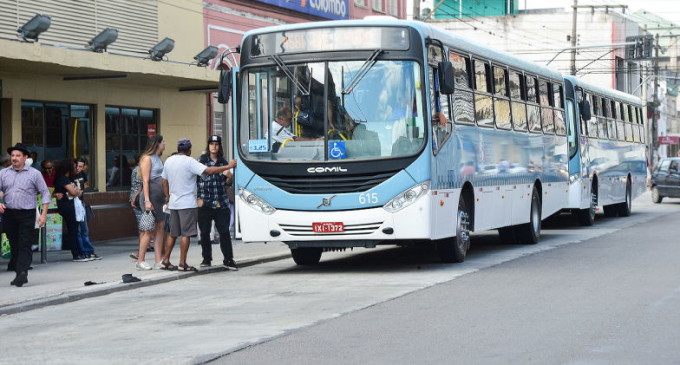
pixel 61 280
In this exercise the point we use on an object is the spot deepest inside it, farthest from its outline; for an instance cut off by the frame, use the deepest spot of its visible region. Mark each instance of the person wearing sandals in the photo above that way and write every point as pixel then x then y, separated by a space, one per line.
pixel 152 198
pixel 213 205
pixel 179 184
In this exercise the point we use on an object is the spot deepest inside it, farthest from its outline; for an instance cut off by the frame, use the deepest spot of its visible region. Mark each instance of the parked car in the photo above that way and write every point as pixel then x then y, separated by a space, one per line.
pixel 666 179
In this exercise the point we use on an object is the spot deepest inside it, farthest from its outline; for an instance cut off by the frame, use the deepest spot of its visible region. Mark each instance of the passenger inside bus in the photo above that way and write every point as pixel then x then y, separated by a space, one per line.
pixel 305 121
pixel 281 130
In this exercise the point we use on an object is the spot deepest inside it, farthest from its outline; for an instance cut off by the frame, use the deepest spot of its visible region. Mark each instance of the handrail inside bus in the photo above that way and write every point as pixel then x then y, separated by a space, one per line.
pixel 289 74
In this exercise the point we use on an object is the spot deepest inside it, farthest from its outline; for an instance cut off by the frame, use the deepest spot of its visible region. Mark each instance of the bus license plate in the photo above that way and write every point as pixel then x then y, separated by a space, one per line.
pixel 326 227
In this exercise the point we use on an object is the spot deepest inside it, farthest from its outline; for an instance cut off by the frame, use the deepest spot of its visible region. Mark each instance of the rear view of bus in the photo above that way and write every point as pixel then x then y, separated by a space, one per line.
pixel 330 136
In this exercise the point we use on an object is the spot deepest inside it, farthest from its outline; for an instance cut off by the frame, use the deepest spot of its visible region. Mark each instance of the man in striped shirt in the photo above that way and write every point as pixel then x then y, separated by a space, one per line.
pixel 21 184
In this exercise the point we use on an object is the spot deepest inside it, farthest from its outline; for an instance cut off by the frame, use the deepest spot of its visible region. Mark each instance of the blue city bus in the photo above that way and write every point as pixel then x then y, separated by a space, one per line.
pixel 361 133
pixel 608 166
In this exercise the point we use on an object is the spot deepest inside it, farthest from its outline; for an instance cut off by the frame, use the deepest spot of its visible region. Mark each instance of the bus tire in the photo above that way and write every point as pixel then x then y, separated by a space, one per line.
pixel 306 255
pixel 586 217
pixel 656 196
pixel 530 233
pixel 626 206
pixel 610 210
pixel 454 249
pixel 507 235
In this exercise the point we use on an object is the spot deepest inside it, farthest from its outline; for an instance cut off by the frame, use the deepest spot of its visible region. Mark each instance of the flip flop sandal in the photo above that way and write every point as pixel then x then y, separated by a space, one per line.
pixel 168 266
pixel 185 267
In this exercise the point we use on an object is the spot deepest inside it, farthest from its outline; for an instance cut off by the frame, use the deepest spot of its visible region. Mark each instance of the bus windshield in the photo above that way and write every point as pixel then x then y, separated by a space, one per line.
pixel 344 110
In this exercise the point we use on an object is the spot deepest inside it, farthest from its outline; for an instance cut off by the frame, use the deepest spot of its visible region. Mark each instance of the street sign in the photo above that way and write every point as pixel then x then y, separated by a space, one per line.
pixel 669 139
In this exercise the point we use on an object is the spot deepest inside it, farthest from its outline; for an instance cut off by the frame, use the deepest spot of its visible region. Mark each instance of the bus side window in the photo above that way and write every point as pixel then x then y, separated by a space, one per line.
pixel 441 123
pixel 461 107
pixel 560 126
pixel 597 112
pixel 584 125
pixel 483 100
pixel 500 101
pixel 547 119
pixel 533 110
pixel 517 95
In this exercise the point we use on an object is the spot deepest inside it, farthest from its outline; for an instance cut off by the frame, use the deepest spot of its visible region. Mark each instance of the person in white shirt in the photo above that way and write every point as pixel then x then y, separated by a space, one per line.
pixel 281 130
pixel 281 126
pixel 179 183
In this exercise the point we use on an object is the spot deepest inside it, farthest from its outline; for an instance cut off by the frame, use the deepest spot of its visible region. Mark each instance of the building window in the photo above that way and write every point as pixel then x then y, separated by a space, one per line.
pixel 378 5
pixel 222 124
pixel 57 131
pixel 127 131
pixel 360 2
pixel 393 7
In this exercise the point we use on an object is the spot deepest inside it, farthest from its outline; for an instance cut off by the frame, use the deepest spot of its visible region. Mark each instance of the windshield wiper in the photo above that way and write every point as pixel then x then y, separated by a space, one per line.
pixel 289 74
pixel 370 61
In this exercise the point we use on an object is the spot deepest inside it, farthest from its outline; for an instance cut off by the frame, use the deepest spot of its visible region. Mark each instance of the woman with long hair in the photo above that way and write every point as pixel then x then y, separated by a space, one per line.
pixel 152 198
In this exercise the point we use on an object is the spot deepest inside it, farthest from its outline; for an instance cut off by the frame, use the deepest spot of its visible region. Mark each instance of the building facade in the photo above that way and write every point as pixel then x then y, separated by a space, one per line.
pixel 63 100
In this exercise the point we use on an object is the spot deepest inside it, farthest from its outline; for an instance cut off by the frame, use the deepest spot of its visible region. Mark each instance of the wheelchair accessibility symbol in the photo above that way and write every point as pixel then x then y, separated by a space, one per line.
pixel 336 150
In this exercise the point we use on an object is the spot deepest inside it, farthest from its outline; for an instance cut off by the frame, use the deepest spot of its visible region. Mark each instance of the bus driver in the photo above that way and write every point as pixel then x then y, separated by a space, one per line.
pixel 280 128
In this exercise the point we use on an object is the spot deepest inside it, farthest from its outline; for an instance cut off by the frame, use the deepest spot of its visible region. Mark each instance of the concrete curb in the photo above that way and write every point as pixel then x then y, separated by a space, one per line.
pixel 113 287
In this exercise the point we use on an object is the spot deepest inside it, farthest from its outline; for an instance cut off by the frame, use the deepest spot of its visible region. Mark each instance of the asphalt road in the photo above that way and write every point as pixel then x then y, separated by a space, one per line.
pixel 613 299
pixel 600 294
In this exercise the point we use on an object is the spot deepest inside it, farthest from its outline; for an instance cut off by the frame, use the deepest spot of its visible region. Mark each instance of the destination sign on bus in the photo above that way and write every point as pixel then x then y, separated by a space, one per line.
pixel 330 39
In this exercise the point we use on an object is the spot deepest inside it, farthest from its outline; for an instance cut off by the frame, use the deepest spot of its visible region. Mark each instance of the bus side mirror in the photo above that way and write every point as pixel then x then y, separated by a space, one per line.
pixel 224 88
pixel 446 85
pixel 584 108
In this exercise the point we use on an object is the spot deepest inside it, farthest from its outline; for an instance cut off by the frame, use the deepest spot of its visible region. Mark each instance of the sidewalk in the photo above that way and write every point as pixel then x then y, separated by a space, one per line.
pixel 61 280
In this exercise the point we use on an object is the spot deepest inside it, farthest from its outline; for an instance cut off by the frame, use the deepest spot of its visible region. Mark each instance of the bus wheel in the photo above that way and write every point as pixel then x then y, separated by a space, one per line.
pixel 656 197
pixel 454 249
pixel 626 207
pixel 529 233
pixel 507 235
pixel 586 217
pixel 610 210
pixel 306 255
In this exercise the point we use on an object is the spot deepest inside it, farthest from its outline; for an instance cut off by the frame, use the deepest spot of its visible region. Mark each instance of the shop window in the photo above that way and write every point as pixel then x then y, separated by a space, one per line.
pixel 57 131
pixel 127 131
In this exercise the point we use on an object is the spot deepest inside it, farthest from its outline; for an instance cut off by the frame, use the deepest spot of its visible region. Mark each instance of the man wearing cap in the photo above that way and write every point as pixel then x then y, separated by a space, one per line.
pixel 213 205
pixel 21 185
pixel 179 183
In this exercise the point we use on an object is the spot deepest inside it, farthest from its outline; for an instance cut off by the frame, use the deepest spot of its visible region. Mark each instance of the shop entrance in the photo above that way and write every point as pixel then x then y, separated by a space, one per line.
pixel 56 131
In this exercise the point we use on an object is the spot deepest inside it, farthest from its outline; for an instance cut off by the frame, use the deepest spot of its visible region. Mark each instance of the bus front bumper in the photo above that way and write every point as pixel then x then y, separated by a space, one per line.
pixel 358 228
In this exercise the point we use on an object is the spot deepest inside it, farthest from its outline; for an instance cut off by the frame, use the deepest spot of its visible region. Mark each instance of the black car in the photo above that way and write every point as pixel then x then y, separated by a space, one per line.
pixel 666 179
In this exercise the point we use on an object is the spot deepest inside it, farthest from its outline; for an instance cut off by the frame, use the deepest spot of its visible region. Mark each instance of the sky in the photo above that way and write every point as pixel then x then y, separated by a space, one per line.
pixel 668 9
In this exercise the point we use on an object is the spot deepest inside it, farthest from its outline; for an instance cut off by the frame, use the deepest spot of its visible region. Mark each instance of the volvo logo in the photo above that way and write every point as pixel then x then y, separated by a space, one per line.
pixel 326 202
pixel 316 170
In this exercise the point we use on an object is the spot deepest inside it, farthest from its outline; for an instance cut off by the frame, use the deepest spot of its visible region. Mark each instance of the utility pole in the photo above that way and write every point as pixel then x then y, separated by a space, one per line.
pixel 573 39
pixel 655 99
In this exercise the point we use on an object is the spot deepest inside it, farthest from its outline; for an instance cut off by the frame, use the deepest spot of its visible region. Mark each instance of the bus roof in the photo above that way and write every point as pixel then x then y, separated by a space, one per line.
pixel 606 92
pixel 426 30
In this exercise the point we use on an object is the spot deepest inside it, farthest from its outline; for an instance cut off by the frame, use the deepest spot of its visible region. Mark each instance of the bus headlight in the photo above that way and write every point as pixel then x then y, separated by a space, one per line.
pixel 408 197
pixel 256 202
